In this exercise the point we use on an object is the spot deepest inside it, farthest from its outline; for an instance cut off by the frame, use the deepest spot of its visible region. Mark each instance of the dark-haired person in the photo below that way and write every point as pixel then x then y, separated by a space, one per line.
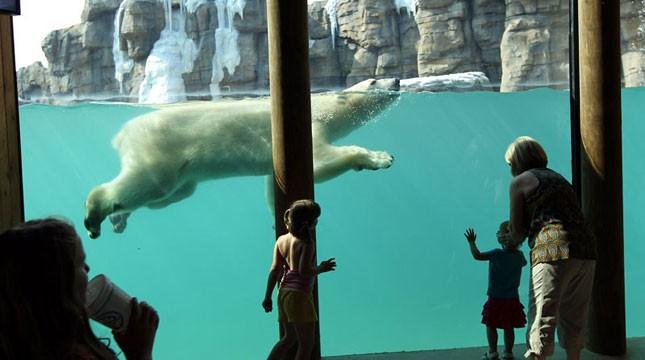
pixel 43 281
pixel 544 208
pixel 293 256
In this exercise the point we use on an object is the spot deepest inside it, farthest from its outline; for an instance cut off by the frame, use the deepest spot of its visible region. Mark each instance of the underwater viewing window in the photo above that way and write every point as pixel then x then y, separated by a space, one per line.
pixel 632 20
pixel 164 105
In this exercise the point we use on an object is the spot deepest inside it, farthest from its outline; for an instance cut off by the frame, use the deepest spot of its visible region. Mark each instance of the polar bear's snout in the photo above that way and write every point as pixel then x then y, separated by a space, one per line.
pixel 95 207
pixel 93 231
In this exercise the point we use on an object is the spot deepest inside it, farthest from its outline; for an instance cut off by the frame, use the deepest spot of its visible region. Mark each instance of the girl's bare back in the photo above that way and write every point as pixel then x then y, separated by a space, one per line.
pixel 292 250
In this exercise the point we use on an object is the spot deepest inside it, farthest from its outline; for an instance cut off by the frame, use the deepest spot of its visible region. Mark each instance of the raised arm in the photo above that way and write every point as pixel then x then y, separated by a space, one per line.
pixel 471 236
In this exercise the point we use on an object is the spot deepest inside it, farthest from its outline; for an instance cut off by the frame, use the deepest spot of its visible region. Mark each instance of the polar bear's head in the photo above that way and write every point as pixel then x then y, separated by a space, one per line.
pixel 336 114
pixel 97 207
pixel 368 98
pixel 373 95
pixel 384 86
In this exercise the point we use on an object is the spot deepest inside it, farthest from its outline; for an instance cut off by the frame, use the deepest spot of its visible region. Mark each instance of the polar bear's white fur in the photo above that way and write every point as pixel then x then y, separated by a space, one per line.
pixel 166 153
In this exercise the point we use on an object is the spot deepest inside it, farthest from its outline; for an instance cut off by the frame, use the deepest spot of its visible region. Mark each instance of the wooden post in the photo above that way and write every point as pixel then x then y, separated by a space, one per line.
pixel 290 111
pixel 11 203
pixel 574 97
pixel 601 175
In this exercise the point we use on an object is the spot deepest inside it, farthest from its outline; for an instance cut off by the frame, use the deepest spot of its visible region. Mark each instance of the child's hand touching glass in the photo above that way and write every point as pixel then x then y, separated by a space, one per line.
pixel 327 265
pixel 470 235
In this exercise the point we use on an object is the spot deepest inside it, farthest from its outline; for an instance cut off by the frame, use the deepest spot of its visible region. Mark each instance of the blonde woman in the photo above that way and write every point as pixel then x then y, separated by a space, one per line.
pixel 544 209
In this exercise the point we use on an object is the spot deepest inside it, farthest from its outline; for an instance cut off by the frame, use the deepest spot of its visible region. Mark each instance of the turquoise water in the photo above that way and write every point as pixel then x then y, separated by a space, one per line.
pixel 405 279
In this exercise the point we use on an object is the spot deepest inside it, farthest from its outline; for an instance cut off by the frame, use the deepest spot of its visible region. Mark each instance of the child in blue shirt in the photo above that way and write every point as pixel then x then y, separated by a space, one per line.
pixel 503 309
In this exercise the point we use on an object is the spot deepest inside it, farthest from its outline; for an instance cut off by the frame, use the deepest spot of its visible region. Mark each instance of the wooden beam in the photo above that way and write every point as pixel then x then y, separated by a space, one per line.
pixel 290 112
pixel 601 168
pixel 11 202
pixel 574 97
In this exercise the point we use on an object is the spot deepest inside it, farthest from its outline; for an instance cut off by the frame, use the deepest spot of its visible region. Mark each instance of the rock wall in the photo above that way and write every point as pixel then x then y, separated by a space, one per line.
pixel 80 56
pixel 632 16
pixel 518 44
pixel 535 44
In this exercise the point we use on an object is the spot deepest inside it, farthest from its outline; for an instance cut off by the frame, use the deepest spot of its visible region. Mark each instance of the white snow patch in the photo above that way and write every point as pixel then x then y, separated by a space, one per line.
pixel 227 52
pixel 192 5
pixel 330 8
pixel 410 5
pixel 122 63
pixel 172 55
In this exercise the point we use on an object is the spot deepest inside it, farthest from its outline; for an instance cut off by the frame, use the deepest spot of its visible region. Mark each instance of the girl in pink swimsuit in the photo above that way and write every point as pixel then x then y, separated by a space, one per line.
pixel 294 256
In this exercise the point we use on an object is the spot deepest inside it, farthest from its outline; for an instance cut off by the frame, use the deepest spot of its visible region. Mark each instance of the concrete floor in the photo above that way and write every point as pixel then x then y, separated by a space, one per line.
pixel 635 351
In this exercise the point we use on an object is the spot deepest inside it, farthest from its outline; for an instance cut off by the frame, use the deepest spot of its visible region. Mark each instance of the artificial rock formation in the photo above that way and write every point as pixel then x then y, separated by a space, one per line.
pixel 535 45
pixel 632 14
pixel 518 44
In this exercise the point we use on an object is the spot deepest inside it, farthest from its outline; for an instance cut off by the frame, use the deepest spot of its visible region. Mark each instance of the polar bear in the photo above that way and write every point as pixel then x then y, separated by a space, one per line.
pixel 166 153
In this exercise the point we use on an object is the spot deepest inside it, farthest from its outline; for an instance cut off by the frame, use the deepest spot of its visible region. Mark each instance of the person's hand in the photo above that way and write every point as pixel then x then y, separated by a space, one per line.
pixel 327 265
pixel 267 304
pixel 138 338
pixel 470 235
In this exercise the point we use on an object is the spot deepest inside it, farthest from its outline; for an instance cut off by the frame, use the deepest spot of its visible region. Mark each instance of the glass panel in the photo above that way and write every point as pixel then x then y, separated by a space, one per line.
pixel 405 279
pixel 633 177
pixel 633 61
pixel 201 263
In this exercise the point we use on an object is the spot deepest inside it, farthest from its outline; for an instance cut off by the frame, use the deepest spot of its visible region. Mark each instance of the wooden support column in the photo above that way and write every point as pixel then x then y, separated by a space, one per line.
pixel 574 97
pixel 601 163
pixel 11 203
pixel 290 111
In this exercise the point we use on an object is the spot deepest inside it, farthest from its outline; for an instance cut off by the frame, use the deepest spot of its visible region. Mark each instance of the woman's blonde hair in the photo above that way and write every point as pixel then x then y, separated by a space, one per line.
pixel 525 153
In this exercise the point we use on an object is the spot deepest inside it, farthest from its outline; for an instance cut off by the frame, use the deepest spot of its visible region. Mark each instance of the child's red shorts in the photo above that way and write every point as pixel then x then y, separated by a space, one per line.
pixel 503 313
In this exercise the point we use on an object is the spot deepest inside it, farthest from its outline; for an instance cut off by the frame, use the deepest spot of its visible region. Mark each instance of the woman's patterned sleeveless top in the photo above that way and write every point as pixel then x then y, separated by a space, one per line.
pixel 557 227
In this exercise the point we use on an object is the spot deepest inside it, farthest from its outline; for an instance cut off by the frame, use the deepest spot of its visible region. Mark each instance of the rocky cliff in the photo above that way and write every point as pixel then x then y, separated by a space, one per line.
pixel 518 44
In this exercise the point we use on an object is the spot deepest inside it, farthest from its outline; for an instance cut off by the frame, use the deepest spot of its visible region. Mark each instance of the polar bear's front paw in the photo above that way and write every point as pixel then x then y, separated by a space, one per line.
pixel 375 160
pixel 119 222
